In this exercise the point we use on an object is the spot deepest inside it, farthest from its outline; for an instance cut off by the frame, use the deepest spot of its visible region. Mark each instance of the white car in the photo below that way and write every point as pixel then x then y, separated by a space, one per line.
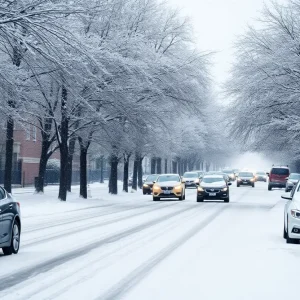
pixel 291 229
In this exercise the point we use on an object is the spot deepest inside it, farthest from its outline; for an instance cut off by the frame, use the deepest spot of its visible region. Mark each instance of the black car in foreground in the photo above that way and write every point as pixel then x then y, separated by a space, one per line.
pixel 148 184
pixel 245 178
pixel 213 187
pixel 10 223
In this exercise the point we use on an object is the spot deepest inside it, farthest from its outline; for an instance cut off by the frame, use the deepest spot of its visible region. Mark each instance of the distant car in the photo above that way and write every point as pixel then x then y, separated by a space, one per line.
pixel 246 178
pixel 230 173
pixel 291 226
pixel 148 183
pixel 144 177
pixel 278 177
pixel 191 179
pixel 261 176
pixel 292 181
pixel 226 176
pixel 10 223
pixel 168 186
pixel 213 187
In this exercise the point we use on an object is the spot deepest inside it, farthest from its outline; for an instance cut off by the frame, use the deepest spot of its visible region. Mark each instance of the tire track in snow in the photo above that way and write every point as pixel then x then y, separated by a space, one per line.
pixel 71 231
pixel 10 280
pixel 118 290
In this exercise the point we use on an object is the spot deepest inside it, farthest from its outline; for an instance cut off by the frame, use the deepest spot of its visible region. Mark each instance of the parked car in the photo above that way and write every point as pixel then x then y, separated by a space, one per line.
pixel 278 177
pixel 261 176
pixel 292 181
pixel 213 187
pixel 191 179
pixel 245 178
pixel 10 223
pixel 148 183
pixel 168 186
pixel 291 226
pixel 230 173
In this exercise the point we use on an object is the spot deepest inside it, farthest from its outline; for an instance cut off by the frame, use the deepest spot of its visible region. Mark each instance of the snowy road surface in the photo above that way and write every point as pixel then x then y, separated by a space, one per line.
pixel 129 247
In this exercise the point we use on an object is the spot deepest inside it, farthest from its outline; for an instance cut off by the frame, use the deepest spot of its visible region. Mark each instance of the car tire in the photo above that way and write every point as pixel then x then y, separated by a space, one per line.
pixel 144 192
pixel 200 199
pixel 226 200
pixel 15 240
pixel 253 185
pixel 284 233
pixel 269 188
pixel 238 185
pixel 184 196
pixel 289 240
pixel 156 198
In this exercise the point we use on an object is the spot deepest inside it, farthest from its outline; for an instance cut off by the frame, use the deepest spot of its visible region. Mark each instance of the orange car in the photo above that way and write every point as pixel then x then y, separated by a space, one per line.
pixel 168 186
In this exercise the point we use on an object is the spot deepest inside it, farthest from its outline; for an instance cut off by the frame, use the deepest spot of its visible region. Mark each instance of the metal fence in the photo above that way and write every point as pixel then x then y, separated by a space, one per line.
pixel 16 177
pixel 53 176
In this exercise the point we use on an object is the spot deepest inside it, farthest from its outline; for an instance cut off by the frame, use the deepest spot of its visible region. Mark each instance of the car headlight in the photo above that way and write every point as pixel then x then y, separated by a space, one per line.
pixel 252 179
pixel 239 179
pixel 145 185
pixel 200 189
pixel 224 189
pixel 156 188
pixel 295 213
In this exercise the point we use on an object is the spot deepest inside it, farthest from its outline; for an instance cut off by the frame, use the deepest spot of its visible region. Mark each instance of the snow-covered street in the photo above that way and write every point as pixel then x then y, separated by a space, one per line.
pixel 129 247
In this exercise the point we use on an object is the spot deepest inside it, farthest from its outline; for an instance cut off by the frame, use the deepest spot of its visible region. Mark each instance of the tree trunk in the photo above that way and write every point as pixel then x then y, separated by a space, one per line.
pixel 70 162
pixel 135 172
pixel 174 167
pixel 42 166
pixel 158 165
pixel 102 169
pixel 153 165
pixel 9 154
pixel 83 172
pixel 113 180
pixel 140 172
pixel 63 146
pixel 166 166
pixel 125 175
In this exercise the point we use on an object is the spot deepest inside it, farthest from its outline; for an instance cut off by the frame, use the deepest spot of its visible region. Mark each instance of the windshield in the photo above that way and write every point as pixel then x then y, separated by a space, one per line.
pixel 295 176
pixel 261 173
pixel 280 171
pixel 190 175
pixel 212 179
pixel 163 178
pixel 151 178
pixel 246 174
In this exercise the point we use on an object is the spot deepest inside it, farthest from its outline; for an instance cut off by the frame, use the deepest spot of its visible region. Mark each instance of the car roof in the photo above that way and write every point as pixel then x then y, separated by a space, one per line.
pixel 280 167
pixel 213 176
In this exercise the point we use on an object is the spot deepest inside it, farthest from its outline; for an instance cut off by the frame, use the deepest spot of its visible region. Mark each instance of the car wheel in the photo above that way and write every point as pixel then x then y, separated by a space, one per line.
pixel 15 240
pixel 200 199
pixel 226 200
pixel 284 233
pixel 144 192
pixel 156 198
pixel 269 188
pixel 238 185
pixel 253 185
pixel 289 240
pixel 184 196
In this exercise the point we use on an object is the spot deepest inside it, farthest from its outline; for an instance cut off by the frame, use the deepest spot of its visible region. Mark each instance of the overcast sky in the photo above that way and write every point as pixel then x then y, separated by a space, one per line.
pixel 217 24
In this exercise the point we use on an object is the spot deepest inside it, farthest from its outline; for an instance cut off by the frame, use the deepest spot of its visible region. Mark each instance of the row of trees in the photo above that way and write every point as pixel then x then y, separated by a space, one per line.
pixel 121 77
pixel 265 84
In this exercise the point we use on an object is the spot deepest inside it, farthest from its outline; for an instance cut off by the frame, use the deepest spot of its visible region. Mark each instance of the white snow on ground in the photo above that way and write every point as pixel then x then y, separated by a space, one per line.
pixel 129 247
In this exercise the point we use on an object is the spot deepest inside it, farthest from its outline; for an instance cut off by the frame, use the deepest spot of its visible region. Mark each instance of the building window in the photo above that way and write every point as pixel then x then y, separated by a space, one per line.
pixel 27 130
pixel 34 133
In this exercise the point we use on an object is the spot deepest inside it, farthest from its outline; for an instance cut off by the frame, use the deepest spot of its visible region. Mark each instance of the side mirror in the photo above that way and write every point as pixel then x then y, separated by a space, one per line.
pixel 154 182
pixel 286 178
pixel 286 197
pixel 268 174
pixel 229 183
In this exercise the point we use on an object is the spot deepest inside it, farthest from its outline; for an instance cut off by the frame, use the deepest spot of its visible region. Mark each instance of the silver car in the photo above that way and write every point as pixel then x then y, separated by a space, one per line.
pixel 292 181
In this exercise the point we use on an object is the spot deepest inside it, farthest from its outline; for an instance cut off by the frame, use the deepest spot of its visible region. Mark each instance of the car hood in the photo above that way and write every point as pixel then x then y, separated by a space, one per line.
pixel 293 180
pixel 218 184
pixel 167 183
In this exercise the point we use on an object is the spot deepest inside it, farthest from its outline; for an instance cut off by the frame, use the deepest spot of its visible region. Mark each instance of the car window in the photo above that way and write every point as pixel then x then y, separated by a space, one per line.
pixel 245 174
pixel 151 178
pixel 163 178
pixel 2 193
pixel 212 179
pixel 190 175
pixel 294 176
pixel 280 171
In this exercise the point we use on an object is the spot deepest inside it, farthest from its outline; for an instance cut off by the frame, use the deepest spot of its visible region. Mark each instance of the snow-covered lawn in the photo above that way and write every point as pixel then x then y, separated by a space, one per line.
pixel 129 247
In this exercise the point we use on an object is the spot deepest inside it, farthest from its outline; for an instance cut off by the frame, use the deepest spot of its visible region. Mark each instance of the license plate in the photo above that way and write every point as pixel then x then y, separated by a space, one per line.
pixel 245 182
pixel 212 194
pixel 167 192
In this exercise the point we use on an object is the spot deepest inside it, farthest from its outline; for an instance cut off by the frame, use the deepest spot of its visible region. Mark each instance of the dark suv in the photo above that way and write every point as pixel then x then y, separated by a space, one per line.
pixel 10 223
pixel 278 177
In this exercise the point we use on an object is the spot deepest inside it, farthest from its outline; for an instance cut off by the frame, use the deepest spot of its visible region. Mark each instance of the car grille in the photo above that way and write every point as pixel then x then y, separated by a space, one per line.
pixel 167 188
pixel 190 181
pixel 212 190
